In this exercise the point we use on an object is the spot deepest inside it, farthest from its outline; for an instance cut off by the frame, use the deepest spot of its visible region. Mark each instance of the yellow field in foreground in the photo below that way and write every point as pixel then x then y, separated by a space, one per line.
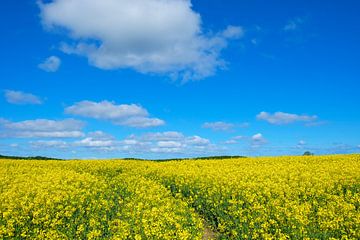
pixel 247 198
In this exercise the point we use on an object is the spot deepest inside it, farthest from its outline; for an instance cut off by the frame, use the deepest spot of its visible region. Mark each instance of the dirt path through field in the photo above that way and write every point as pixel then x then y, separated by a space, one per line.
pixel 209 234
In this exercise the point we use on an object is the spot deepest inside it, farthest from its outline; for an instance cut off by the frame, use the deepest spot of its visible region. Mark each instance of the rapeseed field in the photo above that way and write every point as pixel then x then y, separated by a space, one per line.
pixel 314 197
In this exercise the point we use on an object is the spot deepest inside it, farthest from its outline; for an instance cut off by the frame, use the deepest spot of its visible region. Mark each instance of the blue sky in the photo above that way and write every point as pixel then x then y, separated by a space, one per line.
pixel 179 78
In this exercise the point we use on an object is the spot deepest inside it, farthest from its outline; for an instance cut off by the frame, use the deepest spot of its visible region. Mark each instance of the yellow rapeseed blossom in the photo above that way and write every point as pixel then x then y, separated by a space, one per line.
pixel 315 197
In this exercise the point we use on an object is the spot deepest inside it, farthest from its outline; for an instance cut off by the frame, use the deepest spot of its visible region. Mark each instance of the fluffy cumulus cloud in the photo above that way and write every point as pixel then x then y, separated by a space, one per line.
pixel 51 64
pixel 281 118
pixel 218 126
pixel 21 98
pixel 125 115
pixel 42 128
pixel 258 139
pixel 150 36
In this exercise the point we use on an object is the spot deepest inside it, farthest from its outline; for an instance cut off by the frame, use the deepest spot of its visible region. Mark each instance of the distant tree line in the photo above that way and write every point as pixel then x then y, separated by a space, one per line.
pixel 200 158
pixel 28 158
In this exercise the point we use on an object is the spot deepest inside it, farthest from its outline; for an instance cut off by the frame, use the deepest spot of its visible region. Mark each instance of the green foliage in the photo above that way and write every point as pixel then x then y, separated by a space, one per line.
pixel 307 153
pixel 28 158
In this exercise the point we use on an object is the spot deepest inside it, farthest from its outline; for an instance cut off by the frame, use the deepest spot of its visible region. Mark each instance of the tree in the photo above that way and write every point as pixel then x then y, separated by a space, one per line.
pixel 307 153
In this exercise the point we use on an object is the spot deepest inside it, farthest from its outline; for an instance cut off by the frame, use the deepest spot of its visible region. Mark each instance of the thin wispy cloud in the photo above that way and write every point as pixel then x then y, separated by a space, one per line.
pixel 235 140
pixel 218 126
pixel 43 144
pixel 149 36
pixel 294 24
pixel 316 123
pixel 301 144
pixel 51 64
pixel 282 118
pixel 224 126
pixel 21 98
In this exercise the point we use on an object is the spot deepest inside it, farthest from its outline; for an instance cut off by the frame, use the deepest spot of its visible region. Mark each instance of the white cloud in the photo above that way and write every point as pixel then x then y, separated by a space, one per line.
pixel 100 135
pixel 166 142
pixel 238 137
pixel 244 125
pixel 198 141
pixel 141 122
pixel 21 98
pixel 49 144
pixel 163 136
pixel 169 144
pixel 130 142
pixel 42 128
pixel 166 150
pixel 125 115
pixel 158 143
pixel 92 142
pixel 149 36
pixel 316 123
pixel 51 64
pixel 293 24
pixel 258 139
pixel 234 140
pixel 218 126
pixel 231 141
pixel 301 143
pixel 281 118
pixel 232 32
pixel 97 139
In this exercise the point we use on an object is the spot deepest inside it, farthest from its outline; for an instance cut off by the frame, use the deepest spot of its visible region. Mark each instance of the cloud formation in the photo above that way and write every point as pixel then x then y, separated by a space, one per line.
pixel 42 128
pixel 125 115
pixel 97 140
pixel 293 24
pixel 234 140
pixel 281 118
pixel 51 64
pixel 168 142
pixel 301 144
pixel 49 144
pixel 258 138
pixel 153 143
pixel 149 36
pixel 218 126
pixel 21 98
